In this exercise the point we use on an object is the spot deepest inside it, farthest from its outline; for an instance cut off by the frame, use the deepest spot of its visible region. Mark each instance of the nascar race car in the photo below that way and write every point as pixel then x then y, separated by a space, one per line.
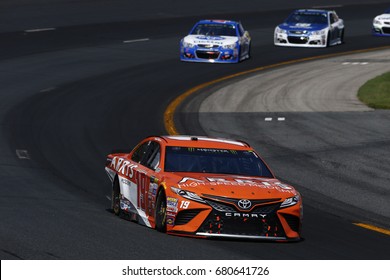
pixel 310 28
pixel 381 24
pixel 220 41
pixel 203 187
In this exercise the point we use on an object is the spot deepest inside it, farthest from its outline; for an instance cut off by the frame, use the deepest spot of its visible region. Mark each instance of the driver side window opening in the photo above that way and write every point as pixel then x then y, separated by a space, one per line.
pixel 332 19
pixel 140 152
pixel 148 155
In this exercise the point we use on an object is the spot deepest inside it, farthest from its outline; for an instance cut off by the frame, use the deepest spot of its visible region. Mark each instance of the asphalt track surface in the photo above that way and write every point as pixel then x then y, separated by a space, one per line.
pixel 314 118
pixel 99 77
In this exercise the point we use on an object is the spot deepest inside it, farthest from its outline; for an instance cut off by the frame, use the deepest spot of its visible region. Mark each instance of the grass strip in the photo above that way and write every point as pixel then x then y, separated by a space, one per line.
pixel 376 92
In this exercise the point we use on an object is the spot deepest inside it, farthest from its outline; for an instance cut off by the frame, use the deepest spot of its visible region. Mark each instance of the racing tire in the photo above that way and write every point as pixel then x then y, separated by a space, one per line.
pixel 161 212
pixel 328 39
pixel 342 36
pixel 116 194
pixel 239 55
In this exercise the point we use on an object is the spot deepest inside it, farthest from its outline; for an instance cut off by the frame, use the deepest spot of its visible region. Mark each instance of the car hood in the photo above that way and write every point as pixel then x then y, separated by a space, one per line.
pixel 303 26
pixel 233 186
pixel 383 17
pixel 210 40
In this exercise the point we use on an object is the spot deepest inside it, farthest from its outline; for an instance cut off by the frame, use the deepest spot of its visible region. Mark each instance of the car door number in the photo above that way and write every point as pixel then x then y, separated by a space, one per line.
pixel 184 204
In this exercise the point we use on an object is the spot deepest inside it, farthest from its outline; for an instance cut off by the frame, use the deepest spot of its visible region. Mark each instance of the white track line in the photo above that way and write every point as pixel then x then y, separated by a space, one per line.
pixel 47 89
pixel 136 40
pixel 39 30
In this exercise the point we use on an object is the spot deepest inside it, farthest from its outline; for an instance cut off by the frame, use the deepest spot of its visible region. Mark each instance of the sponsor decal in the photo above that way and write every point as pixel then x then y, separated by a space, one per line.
pixel 185 179
pixel 215 151
pixel 172 201
pixel 302 25
pixel 125 205
pixel 171 214
pixel 215 181
pixel 153 179
pixel 172 209
pixel 284 186
pixel 123 166
pixel 153 189
pixel 170 221
pixel 209 39
pixel 245 215
pixel 125 182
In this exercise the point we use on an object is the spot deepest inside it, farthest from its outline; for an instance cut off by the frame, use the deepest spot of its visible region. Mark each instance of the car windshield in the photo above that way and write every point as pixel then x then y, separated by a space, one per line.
pixel 218 161
pixel 214 29
pixel 305 17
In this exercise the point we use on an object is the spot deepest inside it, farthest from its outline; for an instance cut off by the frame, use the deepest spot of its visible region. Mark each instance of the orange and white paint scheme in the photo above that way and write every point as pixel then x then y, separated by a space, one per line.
pixel 203 187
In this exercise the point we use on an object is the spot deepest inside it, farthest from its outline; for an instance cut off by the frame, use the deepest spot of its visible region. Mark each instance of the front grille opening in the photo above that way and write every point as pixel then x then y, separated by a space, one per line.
pixel 207 54
pixel 298 40
pixel 293 222
pixel 222 207
pixel 386 30
pixel 265 209
pixel 240 224
pixel 185 216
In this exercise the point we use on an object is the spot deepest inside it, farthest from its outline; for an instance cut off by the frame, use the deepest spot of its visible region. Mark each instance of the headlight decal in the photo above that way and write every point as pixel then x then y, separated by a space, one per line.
pixel 280 30
pixel 319 32
pixel 188 194
pixel 230 46
pixel 290 201
pixel 187 44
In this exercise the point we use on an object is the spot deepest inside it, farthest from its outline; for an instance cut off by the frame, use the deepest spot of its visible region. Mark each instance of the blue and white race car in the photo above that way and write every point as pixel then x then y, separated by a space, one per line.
pixel 381 24
pixel 221 41
pixel 310 28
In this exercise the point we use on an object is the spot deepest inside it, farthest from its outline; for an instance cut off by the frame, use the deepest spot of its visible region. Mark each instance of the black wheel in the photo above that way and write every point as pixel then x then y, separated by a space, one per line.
pixel 116 194
pixel 342 37
pixel 161 212
pixel 239 54
pixel 328 40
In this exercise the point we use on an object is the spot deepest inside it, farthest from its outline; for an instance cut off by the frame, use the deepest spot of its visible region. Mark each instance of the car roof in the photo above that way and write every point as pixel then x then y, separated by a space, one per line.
pixel 217 21
pixel 312 11
pixel 205 142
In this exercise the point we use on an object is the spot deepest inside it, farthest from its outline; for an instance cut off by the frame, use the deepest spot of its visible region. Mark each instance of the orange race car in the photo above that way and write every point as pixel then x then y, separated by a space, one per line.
pixel 203 187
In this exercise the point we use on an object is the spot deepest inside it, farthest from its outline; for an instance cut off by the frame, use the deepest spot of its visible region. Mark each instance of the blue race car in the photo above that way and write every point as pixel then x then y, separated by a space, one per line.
pixel 381 24
pixel 310 28
pixel 220 41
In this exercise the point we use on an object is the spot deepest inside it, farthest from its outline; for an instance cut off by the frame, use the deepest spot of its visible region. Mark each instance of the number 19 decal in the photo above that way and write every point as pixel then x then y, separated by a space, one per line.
pixel 184 204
